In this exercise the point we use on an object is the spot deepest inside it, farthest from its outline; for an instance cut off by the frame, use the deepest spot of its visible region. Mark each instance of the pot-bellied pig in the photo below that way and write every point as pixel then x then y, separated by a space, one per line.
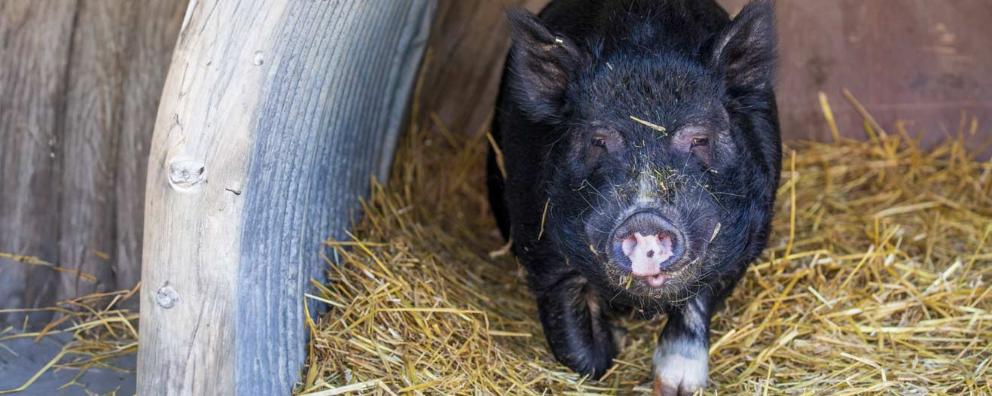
pixel 641 151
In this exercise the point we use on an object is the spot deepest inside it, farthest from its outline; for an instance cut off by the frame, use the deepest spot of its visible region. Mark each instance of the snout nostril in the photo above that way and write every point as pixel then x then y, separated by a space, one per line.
pixel 628 244
pixel 650 253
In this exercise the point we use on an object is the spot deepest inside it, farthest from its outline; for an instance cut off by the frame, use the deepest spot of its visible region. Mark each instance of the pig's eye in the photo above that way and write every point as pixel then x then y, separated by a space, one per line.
pixel 700 147
pixel 601 142
pixel 694 140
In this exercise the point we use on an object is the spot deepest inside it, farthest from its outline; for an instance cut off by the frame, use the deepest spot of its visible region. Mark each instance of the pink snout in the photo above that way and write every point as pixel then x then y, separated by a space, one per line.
pixel 650 245
pixel 647 252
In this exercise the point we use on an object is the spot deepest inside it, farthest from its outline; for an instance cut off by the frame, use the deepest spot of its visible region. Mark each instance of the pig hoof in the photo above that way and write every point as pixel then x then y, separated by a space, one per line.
pixel 679 375
pixel 662 388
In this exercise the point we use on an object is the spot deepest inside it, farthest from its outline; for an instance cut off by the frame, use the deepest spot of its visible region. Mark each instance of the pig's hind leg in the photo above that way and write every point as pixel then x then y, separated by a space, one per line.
pixel 681 360
pixel 576 326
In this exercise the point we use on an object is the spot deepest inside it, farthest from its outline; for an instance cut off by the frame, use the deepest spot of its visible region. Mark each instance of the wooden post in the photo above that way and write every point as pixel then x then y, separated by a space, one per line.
pixel 273 119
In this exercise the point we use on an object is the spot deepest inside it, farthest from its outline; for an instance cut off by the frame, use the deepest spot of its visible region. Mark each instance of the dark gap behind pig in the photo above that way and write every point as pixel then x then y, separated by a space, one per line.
pixel 642 153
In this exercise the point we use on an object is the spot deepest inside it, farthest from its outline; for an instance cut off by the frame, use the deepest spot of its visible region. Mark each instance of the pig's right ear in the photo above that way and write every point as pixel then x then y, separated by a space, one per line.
pixel 542 64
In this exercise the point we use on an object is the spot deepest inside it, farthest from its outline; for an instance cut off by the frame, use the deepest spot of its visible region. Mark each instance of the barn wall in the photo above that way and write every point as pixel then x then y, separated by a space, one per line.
pixel 919 60
pixel 80 82
pixel 923 61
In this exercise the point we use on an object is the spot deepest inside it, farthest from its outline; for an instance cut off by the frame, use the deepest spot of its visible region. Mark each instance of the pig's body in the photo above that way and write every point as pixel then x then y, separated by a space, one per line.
pixel 642 153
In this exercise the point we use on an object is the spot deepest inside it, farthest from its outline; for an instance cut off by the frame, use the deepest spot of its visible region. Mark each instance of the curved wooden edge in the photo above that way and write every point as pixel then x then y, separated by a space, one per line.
pixel 273 118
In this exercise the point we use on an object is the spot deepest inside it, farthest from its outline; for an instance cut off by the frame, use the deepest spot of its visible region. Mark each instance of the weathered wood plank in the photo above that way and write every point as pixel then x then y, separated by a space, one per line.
pixel 273 119
pixel 81 83
pixel 341 109
pixel 89 138
pixel 36 39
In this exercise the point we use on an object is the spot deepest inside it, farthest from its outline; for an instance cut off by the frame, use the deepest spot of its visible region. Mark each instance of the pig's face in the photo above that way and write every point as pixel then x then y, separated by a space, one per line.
pixel 638 178
pixel 655 187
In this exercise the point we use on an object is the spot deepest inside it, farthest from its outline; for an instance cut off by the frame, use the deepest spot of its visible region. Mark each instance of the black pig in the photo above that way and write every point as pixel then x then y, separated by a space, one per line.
pixel 641 150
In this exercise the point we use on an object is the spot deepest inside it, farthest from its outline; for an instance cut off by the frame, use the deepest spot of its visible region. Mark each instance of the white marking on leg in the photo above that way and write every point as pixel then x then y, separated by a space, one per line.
pixel 681 365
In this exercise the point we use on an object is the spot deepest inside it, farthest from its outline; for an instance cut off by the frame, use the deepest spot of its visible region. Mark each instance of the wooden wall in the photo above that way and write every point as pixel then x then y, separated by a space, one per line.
pixel 929 62
pixel 80 83
pixel 920 60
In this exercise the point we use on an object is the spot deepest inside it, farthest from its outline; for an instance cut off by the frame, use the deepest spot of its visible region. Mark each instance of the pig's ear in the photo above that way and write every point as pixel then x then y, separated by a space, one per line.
pixel 744 51
pixel 542 63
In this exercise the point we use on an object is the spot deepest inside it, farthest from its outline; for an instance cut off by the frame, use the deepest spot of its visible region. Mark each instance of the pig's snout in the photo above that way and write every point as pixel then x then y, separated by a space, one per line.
pixel 649 245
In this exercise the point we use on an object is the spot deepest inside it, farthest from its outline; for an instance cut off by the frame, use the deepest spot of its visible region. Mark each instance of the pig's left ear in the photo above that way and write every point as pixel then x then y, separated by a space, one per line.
pixel 744 51
pixel 543 63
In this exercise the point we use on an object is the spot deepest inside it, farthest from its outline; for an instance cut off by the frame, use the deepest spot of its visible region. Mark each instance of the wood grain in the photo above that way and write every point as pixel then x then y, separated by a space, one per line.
pixel 89 138
pixel 273 120
pixel 80 84
pixel 922 61
pixel 33 66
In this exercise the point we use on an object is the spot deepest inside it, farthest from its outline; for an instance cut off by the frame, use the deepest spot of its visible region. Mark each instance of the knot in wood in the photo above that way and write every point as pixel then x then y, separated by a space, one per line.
pixel 186 173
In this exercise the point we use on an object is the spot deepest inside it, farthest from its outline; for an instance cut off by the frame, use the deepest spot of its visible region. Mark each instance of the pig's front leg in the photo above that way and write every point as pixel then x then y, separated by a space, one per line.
pixel 681 360
pixel 576 327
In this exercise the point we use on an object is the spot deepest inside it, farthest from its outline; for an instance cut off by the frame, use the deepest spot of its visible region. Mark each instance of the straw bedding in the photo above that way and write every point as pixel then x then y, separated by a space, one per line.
pixel 876 281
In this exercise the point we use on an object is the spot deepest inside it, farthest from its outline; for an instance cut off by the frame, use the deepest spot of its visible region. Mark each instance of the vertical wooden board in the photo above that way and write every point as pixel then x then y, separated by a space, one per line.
pixel 81 85
pixel 273 120
pixel 193 200
pixel 111 98
pixel 36 38
pixel 88 146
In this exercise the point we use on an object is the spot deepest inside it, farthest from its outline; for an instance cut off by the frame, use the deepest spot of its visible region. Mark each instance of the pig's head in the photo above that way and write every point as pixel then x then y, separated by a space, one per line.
pixel 663 179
